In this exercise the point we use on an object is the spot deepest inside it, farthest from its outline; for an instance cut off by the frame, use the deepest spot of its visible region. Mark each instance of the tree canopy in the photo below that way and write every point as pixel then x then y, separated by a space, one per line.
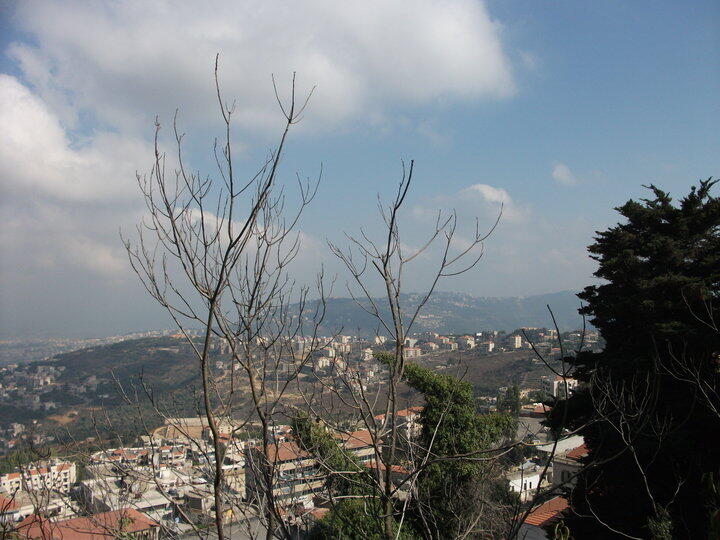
pixel 649 406
pixel 460 480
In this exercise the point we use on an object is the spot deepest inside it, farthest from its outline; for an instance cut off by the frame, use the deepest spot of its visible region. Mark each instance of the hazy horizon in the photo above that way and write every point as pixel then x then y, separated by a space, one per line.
pixel 158 326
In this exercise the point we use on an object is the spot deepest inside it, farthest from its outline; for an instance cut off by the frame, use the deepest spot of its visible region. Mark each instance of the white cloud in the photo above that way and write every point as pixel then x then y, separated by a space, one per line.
pixel 432 134
pixel 62 203
pixel 98 257
pixel 563 175
pixel 494 196
pixel 478 200
pixel 95 74
pixel 36 156
pixel 126 61
pixel 42 240
pixel 489 193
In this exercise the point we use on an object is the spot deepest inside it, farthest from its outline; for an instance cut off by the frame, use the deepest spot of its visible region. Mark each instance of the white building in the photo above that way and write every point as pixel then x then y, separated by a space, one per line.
pixel 467 342
pixel 515 342
pixel 407 420
pixel 55 476
pixel 322 362
pixel 343 348
pixel 525 480
pixel 556 386
pixel 17 506
pixel 110 494
pixel 486 347
pixel 412 352
pixel 567 465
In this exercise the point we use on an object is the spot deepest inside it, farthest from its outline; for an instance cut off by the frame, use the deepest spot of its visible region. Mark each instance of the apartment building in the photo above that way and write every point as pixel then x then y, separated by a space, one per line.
pixel 556 386
pixel 413 352
pixel 294 473
pixel 407 420
pixel 358 443
pixel 56 476
pixel 515 342
pixel 567 465
pixel 486 347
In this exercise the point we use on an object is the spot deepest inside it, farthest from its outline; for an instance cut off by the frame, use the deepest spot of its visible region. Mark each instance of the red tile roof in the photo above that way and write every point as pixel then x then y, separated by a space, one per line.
pixel 579 452
pixel 285 451
pixel 7 504
pixel 395 468
pixel 409 411
pixel 357 439
pixel 402 413
pixel 547 513
pixel 541 408
pixel 319 513
pixel 98 527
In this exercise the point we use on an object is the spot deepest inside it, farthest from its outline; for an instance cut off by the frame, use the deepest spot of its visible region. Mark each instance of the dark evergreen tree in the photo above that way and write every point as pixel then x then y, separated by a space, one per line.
pixel 649 406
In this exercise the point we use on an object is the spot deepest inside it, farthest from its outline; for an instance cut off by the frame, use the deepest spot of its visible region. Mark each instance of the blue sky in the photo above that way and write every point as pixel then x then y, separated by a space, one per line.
pixel 562 109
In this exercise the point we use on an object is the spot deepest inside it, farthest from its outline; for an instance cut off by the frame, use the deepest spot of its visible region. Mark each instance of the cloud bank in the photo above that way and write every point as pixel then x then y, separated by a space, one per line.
pixel 93 76
pixel 124 60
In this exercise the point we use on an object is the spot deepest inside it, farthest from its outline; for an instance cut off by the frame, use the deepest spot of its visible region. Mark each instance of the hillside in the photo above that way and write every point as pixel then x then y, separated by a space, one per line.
pixel 86 395
pixel 88 377
pixel 168 364
pixel 456 313
pixel 165 363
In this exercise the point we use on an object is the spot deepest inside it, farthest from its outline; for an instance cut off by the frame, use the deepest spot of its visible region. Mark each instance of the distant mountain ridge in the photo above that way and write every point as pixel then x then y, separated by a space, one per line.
pixel 454 313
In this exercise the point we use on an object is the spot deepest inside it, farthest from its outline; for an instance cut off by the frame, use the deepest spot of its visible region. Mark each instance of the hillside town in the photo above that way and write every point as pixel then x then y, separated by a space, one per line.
pixel 406 270
pixel 42 390
pixel 163 480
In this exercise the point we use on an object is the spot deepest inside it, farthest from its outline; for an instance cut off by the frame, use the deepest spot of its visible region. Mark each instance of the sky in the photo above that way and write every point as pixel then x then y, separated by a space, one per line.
pixel 559 110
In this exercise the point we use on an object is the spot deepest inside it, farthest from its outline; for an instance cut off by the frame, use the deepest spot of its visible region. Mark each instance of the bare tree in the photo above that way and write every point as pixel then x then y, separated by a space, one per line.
pixel 215 255
pixel 398 458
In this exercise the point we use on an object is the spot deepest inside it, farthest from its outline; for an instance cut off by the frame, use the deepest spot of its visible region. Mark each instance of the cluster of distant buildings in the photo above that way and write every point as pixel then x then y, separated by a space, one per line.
pixel 353 355
pixel 168 477
pixel 423 343
pixel 23 385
